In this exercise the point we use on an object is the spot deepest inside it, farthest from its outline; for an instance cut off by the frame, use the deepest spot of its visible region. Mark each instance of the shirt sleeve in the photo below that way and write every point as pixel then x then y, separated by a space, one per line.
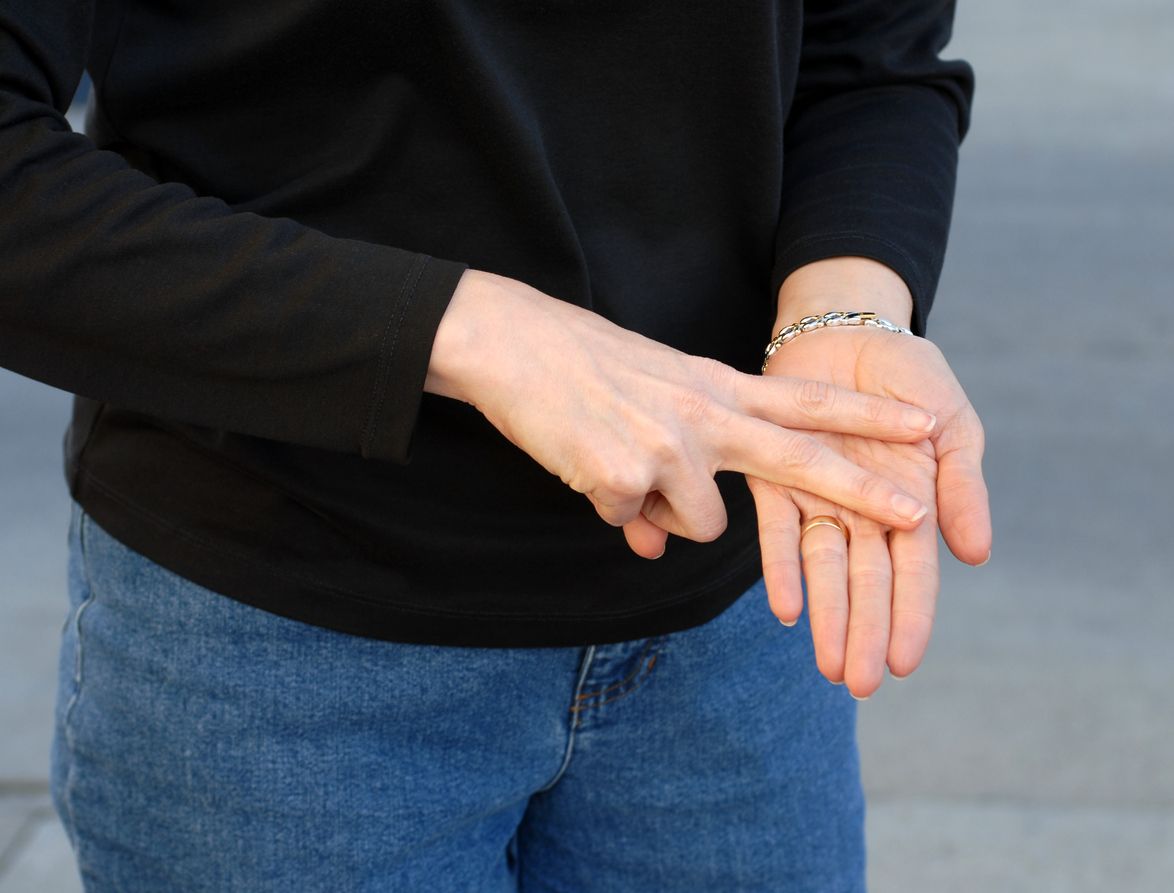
pixel 871 141
pixel 147 296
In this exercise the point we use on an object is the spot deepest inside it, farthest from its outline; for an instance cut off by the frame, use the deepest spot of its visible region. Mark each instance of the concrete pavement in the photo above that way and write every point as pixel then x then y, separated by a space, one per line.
pixel 1032 751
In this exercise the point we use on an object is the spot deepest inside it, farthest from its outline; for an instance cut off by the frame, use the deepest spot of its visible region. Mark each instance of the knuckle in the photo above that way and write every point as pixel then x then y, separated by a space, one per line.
pixel 777 530
pixel 871 580
pixel 694 405
pixel 581 481
pixel 819 558
pixel 869 629
pixel 873 409
pixel 664 446
pixel 701 509
pixel 802 452
pixel 920 616
pixel 835 616
pixel 618 483
pixel 979 433
pixel 781 566
pixel 920 572
pixel 868 488
pixel 609 514
pixel 576 482
pixel 815 397
pixel 717 374
pixel 612 477
pixel 612 513
pixel 709 527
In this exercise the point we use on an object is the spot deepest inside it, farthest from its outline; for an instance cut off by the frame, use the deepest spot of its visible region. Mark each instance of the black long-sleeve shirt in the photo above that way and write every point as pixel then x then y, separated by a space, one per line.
pixel 241 268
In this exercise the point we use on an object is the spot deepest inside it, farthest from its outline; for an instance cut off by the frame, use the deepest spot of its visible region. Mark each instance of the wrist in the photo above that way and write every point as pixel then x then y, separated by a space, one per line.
pixel 833 320
pixel 844 283
pixel 488 338
pixel 453 361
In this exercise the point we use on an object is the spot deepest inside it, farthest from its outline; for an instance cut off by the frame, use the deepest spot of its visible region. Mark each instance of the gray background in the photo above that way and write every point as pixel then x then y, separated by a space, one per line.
pixel 1032 752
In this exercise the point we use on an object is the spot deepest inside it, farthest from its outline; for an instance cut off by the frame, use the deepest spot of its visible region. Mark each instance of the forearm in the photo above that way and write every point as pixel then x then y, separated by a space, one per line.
pixel 871 142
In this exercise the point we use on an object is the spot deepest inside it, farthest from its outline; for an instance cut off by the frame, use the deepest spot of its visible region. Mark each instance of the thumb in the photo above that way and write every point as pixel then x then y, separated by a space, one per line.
pixel 645 538
pixel 964 511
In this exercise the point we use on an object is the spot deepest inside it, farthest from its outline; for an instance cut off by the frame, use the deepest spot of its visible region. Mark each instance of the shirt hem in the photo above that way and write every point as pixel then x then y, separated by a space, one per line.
pixel 298 599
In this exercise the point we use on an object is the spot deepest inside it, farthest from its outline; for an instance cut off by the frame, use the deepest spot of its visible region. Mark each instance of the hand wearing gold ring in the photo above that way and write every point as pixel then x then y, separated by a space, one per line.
pixel 871 592
pixel 824 521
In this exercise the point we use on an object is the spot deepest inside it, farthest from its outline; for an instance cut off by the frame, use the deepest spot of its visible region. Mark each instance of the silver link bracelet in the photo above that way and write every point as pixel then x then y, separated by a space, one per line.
pixel 827 321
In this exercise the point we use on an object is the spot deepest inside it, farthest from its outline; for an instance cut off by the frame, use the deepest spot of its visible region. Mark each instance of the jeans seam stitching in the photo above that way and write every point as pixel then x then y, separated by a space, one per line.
pixel 635 685
pixel 584 669
pixel 633 682
pixel 631 676
pixel 67 794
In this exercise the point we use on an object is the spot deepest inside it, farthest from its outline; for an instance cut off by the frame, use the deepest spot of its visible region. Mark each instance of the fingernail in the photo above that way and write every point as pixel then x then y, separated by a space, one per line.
pixel 786 623
pixel 985 561
pixel 661 555
pixel 836 683
pixel 908 507
pixel 919 421
pixel 865 698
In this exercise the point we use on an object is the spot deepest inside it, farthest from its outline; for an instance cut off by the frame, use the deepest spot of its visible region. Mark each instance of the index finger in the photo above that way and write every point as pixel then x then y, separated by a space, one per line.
pixel 813 405
pixel 795 459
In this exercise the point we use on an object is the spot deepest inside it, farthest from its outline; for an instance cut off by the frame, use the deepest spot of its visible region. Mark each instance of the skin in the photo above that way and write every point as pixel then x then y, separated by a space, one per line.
pixel 820 434
pixel 872 600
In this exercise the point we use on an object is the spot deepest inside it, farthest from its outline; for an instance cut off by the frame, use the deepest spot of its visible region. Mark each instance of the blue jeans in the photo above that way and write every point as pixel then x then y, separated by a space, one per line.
pixel 206 745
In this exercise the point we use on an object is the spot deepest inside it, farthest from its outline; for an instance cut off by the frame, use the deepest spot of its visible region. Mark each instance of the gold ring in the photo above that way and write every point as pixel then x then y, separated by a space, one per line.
pixel 825 521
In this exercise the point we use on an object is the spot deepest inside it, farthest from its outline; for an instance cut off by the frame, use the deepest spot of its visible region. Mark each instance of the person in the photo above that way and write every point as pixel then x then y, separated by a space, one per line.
pixel 430 510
